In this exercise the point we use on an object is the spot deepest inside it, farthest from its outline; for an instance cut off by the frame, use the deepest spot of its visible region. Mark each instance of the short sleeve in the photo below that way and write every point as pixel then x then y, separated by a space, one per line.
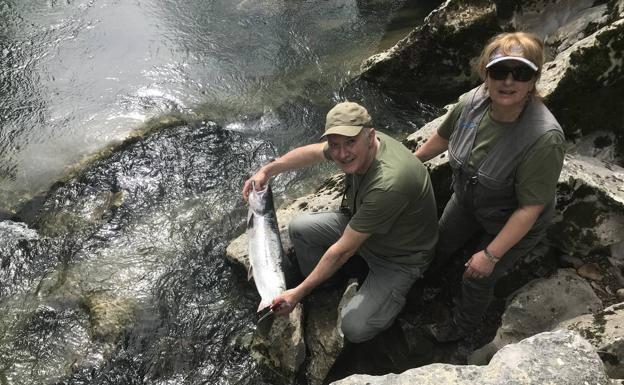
pixel 378 212
pixel 537 175
pixel 448 124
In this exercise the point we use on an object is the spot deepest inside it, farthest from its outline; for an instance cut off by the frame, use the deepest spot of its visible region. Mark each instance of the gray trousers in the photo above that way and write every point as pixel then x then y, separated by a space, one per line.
pixel 382 295
pixel 457 226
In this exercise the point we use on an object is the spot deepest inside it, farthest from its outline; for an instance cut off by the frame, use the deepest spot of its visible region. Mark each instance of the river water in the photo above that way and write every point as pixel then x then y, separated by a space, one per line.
pixel 127 128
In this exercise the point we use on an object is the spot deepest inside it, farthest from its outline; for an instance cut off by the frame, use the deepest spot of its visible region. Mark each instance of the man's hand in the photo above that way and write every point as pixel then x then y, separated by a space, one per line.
pixel 260 179
pixel 285 303
pixel 479 266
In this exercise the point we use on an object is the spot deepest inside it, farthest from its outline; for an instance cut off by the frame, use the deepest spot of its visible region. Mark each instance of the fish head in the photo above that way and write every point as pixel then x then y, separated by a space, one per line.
pixel 261 201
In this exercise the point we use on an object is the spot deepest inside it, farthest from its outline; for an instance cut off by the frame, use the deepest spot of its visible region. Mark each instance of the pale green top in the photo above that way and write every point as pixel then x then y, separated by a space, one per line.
pixel 537 173
pixel 393 201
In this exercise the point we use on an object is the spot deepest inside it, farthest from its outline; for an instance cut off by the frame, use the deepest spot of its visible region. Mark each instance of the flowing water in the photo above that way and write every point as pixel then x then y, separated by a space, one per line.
pixel 127 129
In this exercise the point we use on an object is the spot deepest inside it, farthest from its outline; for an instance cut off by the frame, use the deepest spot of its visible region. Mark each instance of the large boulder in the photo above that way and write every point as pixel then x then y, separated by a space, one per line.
pixel 441 48
pixel 590 206
pixel 555 358
pixel 605 331
pixel 323 339
pixel 583 84
pixel 539 306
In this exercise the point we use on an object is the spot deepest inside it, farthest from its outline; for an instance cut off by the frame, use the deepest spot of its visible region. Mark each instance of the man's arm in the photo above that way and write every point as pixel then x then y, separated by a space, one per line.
pixel 292 160
pixel 330 262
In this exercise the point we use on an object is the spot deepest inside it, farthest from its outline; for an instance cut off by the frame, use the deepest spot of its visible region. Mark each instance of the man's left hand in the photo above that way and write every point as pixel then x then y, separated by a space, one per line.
pixel 478 266
pixel 285 303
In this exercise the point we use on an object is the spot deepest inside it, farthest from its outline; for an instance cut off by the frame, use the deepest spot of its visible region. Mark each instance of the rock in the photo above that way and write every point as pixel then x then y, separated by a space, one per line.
pixel 590 271
pixel 616 259
pixel 284 347
pixel 559 23
pixel 599 145
pixel 605 331
pixel 110 315
pixel 539 306
pixel 555 358
pixel 441 48
pixel 566 260
pixel 620 294
pixel 24 257
pixel 323 338
pixel 590 206
pixel 587 76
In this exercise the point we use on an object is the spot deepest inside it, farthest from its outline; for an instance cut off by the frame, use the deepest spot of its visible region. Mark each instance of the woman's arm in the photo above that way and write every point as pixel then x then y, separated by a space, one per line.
pixel 517 226
pixel 434 146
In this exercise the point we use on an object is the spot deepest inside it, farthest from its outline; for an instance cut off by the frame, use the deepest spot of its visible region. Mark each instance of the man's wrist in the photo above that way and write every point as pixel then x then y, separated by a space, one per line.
pixel 490 256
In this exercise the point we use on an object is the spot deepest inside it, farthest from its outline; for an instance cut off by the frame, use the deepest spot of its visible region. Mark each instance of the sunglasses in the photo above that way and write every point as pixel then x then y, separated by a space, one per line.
pixel 519 74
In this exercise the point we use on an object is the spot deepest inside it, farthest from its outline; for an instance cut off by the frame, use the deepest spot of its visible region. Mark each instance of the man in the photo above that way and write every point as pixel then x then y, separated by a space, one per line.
pixel 391 220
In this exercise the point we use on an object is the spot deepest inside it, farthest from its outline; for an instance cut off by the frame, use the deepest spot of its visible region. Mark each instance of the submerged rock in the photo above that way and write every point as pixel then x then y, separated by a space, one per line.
pixel 110 315
pixel 555 358
pixel 24 257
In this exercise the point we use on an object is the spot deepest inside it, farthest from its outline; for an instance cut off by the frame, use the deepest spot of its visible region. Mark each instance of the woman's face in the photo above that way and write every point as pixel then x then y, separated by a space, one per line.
pixel 509 83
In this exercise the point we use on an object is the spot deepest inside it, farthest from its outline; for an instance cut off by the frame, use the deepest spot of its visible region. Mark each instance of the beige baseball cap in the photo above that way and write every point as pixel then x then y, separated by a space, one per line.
pixel 346 118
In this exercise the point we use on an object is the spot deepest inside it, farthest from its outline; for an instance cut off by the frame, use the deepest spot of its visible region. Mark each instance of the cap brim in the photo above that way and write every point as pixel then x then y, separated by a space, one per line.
pixel 343 130
pixel 515 58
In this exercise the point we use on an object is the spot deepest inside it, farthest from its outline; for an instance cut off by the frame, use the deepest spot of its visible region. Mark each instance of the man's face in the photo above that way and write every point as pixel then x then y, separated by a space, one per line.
pixel 352 153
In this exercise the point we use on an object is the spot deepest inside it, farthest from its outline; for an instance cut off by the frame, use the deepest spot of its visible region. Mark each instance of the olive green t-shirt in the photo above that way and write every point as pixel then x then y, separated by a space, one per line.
pixel 537 173
pixel 393 201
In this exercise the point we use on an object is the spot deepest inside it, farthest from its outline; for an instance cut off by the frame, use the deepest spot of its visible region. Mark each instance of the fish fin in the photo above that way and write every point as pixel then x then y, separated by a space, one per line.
pixel 263 305
pixel 265 321
pixel 250 274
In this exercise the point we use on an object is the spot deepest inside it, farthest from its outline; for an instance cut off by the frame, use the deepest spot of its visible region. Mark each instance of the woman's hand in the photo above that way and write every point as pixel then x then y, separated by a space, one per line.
pixel 479 266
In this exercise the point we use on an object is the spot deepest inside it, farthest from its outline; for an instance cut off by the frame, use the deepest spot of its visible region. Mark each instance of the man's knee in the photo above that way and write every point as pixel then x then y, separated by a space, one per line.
pixel 297 226
pixel 355 328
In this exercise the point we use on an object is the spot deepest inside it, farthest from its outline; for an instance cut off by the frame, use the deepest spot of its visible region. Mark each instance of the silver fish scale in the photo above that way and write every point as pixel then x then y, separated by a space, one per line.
pixel 265 247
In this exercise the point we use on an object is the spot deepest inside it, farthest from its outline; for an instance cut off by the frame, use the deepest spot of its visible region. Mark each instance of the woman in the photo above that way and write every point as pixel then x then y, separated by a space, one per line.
pixel 506 151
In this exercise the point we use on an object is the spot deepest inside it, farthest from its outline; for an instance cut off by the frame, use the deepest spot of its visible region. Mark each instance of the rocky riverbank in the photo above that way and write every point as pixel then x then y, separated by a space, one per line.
pixel 565 299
